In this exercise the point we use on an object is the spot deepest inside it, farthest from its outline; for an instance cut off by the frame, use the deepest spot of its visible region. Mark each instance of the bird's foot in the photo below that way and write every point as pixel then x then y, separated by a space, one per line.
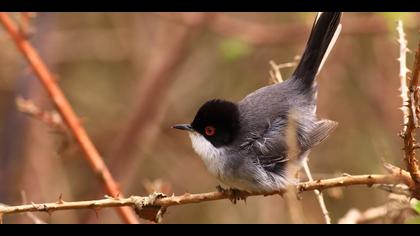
pixel 233 194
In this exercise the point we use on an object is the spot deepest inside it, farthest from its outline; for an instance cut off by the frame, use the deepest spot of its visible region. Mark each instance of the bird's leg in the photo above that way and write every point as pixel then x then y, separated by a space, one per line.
pixel 233 194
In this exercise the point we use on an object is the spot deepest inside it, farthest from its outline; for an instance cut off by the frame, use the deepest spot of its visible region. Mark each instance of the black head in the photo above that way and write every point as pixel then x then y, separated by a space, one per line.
pixel 217 120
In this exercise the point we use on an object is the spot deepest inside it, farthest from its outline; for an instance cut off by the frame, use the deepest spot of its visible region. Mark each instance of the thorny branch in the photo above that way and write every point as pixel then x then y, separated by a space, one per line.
pixel 52 119
pixel 66 112
pixel 318 194
pixel 292 141
pixel 389 212
pixel 159 202
pixel 410 96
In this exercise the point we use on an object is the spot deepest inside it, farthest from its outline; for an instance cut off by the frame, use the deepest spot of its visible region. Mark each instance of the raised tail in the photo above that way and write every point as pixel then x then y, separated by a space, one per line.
pixel 324 33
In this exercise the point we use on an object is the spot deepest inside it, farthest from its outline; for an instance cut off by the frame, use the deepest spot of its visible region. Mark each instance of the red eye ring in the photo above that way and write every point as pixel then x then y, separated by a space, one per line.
pixel 210 130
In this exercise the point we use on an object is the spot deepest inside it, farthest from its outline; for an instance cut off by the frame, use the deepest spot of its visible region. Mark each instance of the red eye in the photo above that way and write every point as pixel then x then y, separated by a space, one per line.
pixel 210 130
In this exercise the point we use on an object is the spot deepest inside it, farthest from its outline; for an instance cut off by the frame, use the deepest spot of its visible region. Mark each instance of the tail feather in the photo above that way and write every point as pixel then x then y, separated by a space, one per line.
pixel 324 33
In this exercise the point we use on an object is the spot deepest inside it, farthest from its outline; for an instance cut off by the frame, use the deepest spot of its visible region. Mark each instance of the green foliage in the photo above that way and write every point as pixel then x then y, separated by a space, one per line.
pixel 234 49
pixel 392 17
pixel 416 206
pixel 415 220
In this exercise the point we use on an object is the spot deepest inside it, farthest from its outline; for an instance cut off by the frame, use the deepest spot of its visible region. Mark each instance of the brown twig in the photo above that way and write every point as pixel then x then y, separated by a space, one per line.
pixel 354 216
pixel 318 194
pixel 63 106
pixel 159 201
pixel 294 206
pixel 25 23
pixel 409 95
pixel 391 211
pixel 412 163
pixel 33 217
pixel 292 144
pixel 51 119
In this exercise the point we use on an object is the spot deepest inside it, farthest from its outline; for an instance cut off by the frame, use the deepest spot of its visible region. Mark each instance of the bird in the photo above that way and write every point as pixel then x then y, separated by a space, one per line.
pixel 257 144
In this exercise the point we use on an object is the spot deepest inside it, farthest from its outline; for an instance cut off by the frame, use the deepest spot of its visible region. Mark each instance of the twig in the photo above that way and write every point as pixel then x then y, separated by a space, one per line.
pixel 66 111
pixel 354 216
pixel 159 201
pixel 275 74
pixel 403 74
pixel 294 206
pixel 392 210
pixel 318 194
pixel 25 23
pixel 395 189
pixel 409 95
pixel 413 167
pixel 51 119
pixel 33 217
pixel 292 145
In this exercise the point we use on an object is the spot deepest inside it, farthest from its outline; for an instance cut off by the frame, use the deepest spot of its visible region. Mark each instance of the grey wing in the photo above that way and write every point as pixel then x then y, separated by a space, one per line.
pixel 269 147
pixel 284 140
pixel 323 128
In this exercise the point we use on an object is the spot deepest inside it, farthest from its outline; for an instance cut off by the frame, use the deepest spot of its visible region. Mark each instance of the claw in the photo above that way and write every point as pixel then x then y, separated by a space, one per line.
pixel 220 189
pixel 233 194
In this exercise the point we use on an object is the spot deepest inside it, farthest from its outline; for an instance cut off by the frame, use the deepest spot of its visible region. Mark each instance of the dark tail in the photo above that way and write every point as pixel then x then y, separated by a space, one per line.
pixel 319 40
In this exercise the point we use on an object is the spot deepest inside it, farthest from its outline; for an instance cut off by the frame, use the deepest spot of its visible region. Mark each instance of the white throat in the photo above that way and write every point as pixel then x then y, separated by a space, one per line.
pixel 213 158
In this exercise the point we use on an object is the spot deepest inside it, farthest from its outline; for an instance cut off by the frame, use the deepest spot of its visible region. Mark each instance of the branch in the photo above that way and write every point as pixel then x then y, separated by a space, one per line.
pixel 318 194
pixel 409 95
pixel 51 119
pixel 159 202
pixel 391 211
pixel 33 217
pixel 25 23
pixel 66 111
pixel 354 216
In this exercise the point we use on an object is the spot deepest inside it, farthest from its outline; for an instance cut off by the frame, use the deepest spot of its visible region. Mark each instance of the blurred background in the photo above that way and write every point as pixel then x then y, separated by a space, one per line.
pixel 130 76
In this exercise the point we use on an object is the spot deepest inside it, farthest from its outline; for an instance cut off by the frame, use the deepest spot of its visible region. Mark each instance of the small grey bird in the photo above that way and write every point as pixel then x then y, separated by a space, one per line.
pixel 246 145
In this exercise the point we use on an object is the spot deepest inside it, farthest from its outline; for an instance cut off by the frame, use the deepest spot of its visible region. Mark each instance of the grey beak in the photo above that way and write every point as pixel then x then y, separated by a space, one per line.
pixel 183 127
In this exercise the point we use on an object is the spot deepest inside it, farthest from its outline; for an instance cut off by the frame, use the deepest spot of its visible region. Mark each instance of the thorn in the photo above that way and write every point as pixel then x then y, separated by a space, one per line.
pixel 281 194
pixel 48 210
pixel 370 184
pixel 60 199
pixel 299 196
pixel 96 210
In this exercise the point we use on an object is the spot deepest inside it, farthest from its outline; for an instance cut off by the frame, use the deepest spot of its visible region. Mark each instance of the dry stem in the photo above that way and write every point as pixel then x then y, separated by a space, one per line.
pixel 369 180
pixel 409 95
pixel 318 194
pixel 51 119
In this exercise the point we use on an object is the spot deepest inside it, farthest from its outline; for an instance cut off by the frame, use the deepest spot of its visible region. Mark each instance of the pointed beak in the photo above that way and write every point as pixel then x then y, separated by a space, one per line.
pixel 186 127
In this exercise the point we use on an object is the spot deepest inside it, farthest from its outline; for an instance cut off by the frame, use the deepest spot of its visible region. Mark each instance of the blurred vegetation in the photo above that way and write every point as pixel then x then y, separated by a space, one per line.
pixel 102 60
